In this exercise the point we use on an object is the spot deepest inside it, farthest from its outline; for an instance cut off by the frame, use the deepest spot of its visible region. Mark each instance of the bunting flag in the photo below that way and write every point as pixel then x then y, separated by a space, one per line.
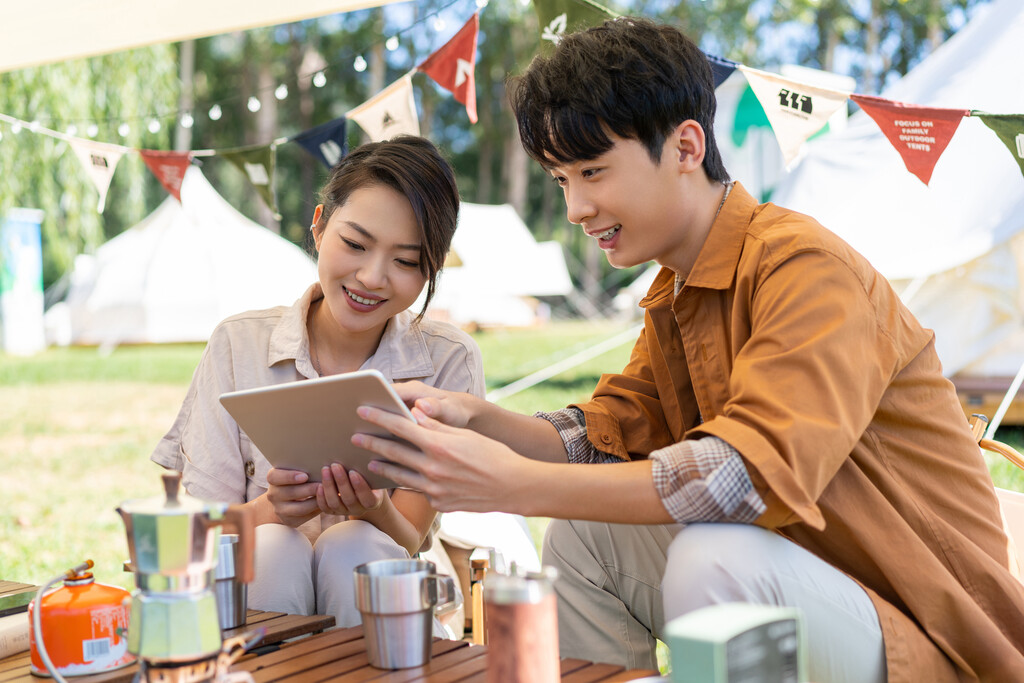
pixel 258 164
pixel 327 142
pixel 168 167
pixel 558 18
pixel 1010 129
pixel 453 64
pixel 796 110
pixel 721 68
pixel 100 160
pixel 389 113
pixel 919 134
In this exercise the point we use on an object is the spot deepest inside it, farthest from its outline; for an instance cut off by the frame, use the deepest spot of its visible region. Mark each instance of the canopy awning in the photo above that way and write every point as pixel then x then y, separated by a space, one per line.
pixel 47 31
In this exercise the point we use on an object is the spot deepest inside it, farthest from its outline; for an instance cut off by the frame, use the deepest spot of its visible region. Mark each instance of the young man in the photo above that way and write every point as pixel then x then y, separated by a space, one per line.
pixel 781 403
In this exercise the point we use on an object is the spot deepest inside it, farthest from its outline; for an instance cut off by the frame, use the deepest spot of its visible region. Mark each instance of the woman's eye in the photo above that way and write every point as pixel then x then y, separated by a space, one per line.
pixel 408 264
pixel 355 246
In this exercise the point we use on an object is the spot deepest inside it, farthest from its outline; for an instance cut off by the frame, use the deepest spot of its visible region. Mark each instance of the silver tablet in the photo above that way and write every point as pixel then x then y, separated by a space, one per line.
pixel 308 424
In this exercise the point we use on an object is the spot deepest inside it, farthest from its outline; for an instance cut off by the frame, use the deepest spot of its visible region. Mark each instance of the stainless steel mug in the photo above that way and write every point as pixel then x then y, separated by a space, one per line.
pixel 397 600
pixel 232 595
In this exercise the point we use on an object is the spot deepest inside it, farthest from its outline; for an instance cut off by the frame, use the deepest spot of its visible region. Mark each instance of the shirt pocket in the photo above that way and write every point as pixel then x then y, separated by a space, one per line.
pixel 255 466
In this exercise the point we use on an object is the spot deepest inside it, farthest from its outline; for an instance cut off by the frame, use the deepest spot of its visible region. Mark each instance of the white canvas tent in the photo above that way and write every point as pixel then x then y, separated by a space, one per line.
pixel 954 248
pixel 180 271
pixel 498 268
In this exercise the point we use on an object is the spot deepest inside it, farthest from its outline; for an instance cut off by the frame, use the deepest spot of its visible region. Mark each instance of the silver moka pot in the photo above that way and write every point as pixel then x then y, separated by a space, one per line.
pixel 173 545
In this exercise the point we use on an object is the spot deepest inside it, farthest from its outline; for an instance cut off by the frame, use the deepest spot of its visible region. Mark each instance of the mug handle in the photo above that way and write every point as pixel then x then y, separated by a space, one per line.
pixel 446 587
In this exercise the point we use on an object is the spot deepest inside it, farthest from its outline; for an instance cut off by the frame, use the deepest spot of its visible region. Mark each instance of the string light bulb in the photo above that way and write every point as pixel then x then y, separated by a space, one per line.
pixel 281 92
pixel 481 3
pixel 93 130
pixel 438 24
pixel 186 120
pixel 254 104
pixel 360 64
pixel 72 130
pixel 34 126
pixel 215 113
pixel 154 126
pixel 124 129
pixel 391 43
pixel 16 128
pixel 319 79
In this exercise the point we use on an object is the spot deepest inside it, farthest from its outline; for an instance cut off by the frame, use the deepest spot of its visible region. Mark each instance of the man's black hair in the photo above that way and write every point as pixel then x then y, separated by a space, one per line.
pixel 628 76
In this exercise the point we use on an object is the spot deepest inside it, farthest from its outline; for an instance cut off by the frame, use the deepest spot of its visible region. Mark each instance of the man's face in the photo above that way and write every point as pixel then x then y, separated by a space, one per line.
pixel 627 202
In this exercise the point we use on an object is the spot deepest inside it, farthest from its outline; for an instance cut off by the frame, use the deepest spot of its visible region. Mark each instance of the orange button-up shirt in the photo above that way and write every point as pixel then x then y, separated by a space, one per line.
pixel 787 344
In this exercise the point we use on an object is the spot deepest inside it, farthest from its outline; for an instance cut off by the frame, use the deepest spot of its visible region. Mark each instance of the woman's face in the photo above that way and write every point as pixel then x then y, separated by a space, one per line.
pixel 369 259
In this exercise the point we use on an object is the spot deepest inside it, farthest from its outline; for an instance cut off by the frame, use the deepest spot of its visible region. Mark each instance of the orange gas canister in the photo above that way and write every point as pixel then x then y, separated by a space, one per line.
pixel 84 626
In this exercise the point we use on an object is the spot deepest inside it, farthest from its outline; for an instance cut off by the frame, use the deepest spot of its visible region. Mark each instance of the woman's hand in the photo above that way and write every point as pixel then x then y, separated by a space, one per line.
pixel 292 496
pixel 453 408
pixel 346 492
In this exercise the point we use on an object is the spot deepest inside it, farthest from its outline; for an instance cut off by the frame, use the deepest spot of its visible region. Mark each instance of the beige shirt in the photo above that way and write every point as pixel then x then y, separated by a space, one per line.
pixel 797 353
pixel 260 348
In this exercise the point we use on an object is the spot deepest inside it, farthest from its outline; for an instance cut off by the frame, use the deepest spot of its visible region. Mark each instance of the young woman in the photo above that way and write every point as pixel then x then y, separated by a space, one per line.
pixel 381 233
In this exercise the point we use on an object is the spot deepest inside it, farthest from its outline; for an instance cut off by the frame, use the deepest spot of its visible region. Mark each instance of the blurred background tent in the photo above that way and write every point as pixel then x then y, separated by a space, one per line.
pixel 954 249
pixel 176 274
pixel 496 271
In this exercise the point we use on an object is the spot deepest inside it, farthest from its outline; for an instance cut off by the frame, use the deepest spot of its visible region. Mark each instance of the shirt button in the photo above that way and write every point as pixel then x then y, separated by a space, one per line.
pixel 606 439
pixel 250 468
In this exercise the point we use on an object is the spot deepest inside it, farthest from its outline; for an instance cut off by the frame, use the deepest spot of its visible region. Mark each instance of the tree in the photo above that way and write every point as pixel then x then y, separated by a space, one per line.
pixel 98 98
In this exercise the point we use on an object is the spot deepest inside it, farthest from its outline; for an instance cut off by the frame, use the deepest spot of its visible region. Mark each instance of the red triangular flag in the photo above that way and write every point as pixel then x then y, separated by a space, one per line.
pixel 168 167
pixel 919 134
pixel 452 65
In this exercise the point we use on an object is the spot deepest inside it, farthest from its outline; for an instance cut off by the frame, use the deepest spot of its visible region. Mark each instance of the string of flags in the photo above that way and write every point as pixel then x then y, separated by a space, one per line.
pixel 391 112
pixel 796 110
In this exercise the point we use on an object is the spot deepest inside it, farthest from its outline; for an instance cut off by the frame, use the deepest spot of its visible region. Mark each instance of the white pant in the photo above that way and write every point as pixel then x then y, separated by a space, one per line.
pixel 619 584
pixel 296 577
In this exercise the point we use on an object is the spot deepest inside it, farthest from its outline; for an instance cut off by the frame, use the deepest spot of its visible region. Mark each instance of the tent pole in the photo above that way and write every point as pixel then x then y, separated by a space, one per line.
pixel 566 363
pixel 990 433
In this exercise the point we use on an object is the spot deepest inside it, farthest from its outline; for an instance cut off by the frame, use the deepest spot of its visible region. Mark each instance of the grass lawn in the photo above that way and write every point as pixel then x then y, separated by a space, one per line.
pixel 77 428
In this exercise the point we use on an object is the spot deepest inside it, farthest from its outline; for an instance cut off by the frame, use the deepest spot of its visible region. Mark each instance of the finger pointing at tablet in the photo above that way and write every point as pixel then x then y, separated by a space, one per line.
pixel 457 469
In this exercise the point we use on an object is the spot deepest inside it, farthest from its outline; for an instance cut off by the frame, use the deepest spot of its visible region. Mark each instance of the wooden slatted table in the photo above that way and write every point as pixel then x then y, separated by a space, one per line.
pixel 279 627
pixel 340 655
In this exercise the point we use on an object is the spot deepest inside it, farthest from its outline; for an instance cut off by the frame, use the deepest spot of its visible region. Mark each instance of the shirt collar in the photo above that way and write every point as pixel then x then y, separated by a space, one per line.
pixel 401 354
pixel 716 263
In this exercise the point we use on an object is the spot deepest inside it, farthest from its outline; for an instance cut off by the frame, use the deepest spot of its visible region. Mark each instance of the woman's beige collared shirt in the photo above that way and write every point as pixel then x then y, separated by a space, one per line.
pixel 271 346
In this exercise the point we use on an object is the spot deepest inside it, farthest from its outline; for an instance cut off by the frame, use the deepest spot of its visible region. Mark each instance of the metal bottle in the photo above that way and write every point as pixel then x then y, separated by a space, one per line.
pixel 522 627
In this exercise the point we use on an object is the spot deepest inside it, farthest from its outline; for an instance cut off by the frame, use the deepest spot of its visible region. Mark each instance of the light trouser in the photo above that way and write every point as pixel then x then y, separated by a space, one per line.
pixel 296 577
pixel 618 585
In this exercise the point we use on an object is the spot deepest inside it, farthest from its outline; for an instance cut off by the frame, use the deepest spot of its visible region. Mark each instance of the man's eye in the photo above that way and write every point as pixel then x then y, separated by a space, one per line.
pixel 559 180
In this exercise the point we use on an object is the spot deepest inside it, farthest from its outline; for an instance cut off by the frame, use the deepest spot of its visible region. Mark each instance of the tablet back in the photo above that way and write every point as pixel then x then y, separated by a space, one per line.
pixel 307 424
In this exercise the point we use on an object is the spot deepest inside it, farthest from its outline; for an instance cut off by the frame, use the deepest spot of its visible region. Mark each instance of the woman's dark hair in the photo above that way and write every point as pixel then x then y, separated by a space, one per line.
pixel 628 76
pixel 415 168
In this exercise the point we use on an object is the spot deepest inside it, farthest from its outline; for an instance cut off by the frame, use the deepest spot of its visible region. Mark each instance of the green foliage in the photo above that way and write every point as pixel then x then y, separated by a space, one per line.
pixel 41 171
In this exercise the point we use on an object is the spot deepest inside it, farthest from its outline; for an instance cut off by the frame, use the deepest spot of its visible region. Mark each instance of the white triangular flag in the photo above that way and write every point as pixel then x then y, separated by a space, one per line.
pixel 391 112
pixel 99 160
pixel 796 110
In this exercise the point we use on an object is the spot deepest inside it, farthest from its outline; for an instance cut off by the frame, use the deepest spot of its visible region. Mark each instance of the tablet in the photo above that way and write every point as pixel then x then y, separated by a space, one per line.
pixel 308 424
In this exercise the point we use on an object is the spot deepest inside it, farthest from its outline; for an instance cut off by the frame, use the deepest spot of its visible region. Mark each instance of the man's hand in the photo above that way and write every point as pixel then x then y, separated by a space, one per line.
pixel 453 408
pixel 292 495
pixel 457 469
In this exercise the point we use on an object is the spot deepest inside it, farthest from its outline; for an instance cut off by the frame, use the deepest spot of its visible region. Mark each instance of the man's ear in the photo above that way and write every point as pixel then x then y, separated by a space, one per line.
pixel 688 146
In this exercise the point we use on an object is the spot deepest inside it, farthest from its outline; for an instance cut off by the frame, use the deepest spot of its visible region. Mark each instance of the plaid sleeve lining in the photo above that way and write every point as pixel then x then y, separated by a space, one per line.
pixel 705 481
pixel 572 428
